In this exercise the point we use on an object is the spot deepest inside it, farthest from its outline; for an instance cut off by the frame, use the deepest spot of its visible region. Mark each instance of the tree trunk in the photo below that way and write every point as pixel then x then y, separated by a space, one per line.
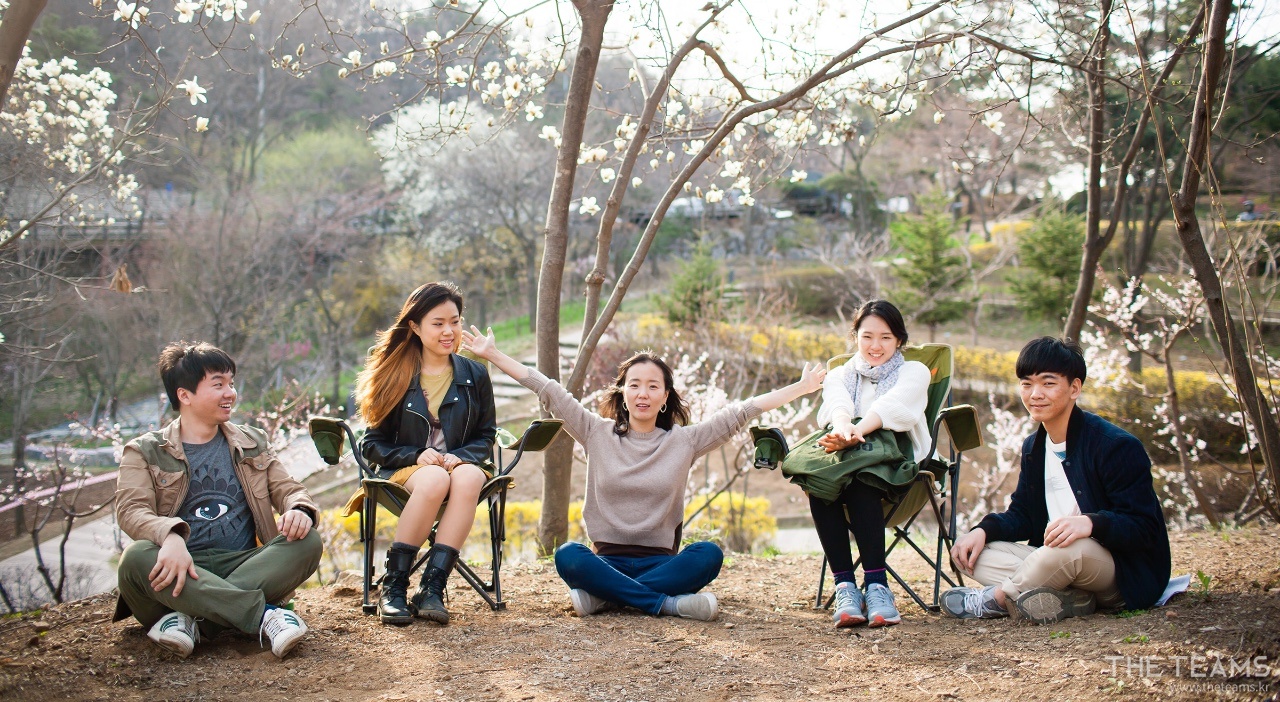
pixel 1190 235
pixel 553 526
pixel 15 29
pixel 1094 243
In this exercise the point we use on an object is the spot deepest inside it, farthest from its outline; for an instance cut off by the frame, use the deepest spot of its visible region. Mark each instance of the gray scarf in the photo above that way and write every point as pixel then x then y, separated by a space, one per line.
pixel 885 376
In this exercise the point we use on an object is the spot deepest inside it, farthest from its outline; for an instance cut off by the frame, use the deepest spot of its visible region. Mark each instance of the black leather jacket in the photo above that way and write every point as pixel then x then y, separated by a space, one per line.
pixel 466 415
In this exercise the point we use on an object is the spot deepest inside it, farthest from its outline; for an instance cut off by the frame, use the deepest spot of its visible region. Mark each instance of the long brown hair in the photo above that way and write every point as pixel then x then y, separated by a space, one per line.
pixel 613 405
pixel 397 355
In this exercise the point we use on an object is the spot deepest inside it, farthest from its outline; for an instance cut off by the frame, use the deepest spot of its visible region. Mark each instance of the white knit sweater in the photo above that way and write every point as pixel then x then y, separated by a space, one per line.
pixel 900 409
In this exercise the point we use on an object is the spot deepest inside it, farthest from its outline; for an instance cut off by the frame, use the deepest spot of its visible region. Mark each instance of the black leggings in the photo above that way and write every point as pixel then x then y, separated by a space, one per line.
pixel 866 521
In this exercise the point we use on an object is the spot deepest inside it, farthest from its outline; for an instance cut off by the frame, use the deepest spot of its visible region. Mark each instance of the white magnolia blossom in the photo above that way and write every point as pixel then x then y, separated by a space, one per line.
pixel 193 90
pixel 352 58
pixel 607 175
pixel 994 121
pixel 798 176
pixel 636 181
pixel 492 70
pixel 202 124
pixel 64 116
pixel 937 117
pixel 130 13
pixel 186 11
pixel 457 75
pixel 384 68
pixel 747 200
pixel 592 154
pixel 589 207
pixel 532 112
pixel 731 169
pixel 551 134
pixel 714 195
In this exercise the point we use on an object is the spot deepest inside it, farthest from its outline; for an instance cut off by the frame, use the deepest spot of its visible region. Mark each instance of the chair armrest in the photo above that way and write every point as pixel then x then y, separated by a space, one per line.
pixel 535 438
pixel 328 434
pixel 962 425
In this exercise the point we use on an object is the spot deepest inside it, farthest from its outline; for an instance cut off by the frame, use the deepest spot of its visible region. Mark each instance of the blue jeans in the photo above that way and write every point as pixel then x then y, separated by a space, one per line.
pixel 643 582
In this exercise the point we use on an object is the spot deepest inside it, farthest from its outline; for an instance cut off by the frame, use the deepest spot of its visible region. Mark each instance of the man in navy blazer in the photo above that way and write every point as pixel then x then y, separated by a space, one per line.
pixel 1085 505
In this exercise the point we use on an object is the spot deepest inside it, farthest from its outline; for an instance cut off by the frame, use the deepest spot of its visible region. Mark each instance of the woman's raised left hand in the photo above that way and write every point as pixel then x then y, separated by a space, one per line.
pixel 811 378
pixel 482 345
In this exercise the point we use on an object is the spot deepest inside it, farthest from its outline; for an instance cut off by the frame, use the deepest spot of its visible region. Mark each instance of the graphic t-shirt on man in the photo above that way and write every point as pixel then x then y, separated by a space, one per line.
pixel 215 507
pixel 1058 497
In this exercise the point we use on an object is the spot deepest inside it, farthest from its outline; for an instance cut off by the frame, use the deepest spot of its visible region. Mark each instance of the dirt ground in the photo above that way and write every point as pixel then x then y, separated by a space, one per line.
pixel 769 643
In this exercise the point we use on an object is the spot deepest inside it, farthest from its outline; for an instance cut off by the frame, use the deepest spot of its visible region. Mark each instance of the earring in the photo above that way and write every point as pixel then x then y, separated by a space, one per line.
pixel 663 408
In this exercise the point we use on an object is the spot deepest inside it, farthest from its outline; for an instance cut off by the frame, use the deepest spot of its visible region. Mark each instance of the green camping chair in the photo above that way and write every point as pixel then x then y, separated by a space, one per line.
pixel 329 434
pixel 936 484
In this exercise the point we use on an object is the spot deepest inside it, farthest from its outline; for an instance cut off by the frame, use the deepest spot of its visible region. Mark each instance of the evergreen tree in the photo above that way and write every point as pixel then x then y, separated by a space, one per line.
pixel 933 277
pixel 1050 255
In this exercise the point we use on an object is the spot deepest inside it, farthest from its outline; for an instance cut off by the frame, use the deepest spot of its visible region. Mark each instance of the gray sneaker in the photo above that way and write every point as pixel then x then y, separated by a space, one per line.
pixel 1044 605
pixel 701 606
pixel 972 603
pixel 586 604
pixel 880 608
pixel 849 606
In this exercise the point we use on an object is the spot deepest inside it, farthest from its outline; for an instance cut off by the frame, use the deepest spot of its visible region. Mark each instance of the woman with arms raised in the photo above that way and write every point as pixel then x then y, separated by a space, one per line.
pixel 640 449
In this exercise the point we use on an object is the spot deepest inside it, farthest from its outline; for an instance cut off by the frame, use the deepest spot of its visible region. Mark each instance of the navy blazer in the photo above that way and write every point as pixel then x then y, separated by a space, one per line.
pixel 466 416
pixel 1111 475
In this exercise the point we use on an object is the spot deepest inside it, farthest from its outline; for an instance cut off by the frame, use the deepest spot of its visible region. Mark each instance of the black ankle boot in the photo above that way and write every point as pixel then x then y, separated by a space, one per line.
pixel 428 601
pixel 392 608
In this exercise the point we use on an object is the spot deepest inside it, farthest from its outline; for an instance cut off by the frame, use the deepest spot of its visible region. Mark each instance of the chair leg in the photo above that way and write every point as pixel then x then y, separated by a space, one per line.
pixel 822 579
pixel 368 535
pixel 498 538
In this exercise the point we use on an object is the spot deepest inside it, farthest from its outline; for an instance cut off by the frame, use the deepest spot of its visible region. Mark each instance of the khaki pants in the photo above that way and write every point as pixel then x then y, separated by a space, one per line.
pixel 1017 568
pixel 233 587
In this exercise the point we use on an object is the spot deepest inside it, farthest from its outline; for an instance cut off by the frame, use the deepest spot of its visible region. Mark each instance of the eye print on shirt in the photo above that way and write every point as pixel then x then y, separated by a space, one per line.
pixel 210 509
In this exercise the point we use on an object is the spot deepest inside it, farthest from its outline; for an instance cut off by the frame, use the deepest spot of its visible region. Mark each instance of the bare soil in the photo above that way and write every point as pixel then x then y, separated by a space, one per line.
pixel 769 643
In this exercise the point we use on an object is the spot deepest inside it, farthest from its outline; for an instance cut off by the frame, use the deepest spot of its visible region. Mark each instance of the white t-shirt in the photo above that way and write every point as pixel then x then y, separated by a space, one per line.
pixel 1058 496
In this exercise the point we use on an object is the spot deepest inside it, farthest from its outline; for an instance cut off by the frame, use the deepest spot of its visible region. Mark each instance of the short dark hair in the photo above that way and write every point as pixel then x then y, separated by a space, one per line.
pixel 183 364
pixel 884 310
pixel 1050 354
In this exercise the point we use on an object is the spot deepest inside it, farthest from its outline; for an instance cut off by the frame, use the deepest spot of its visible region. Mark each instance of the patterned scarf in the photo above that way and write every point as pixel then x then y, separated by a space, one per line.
pixel 885 376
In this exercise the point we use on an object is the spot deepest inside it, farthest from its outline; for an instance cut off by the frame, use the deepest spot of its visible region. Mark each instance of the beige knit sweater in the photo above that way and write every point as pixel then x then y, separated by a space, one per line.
pixel 636 483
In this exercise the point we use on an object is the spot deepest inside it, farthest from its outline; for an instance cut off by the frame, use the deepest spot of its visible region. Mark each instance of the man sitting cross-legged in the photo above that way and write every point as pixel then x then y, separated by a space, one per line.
pixel 1084 504
pixel 197 497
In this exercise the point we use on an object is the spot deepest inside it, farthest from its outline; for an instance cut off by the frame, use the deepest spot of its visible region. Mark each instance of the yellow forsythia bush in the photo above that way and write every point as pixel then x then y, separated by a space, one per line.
pixel 738 525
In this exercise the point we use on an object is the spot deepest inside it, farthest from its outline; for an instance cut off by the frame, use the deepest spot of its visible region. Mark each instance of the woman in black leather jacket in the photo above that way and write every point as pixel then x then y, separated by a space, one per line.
pixel 431 428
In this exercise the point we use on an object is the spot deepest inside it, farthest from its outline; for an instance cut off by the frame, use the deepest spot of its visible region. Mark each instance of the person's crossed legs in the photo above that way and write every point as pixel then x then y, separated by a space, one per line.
pixel 644 582
pixel 1044 584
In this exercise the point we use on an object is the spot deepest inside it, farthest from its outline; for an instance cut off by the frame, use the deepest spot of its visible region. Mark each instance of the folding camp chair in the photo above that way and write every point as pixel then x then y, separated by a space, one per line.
pixel 937 482
pixel 329 433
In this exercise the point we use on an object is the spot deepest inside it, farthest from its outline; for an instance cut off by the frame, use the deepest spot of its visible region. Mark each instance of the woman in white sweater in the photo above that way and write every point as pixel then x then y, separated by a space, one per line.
pixel 640 449
pixel 880 389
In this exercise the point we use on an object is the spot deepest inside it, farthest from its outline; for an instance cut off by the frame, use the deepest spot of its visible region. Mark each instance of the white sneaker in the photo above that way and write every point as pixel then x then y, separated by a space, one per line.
pixel 701 606
pixel 284 628
pixel 176 633
pixel 586 604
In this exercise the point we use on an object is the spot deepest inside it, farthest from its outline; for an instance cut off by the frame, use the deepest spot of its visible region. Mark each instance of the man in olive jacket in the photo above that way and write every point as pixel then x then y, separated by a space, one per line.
pixel 1085 505
pixel 197 498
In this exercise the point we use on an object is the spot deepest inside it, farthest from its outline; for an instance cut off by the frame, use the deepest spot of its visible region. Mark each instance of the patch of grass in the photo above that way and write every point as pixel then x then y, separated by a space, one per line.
pixel 1060 635
pixel 1130 613
pixel 571 313
pixel 770 551
pixel 1136 638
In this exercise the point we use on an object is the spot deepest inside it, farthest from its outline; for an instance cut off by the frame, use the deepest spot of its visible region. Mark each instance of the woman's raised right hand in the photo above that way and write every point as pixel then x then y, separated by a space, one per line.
pixel 482 345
